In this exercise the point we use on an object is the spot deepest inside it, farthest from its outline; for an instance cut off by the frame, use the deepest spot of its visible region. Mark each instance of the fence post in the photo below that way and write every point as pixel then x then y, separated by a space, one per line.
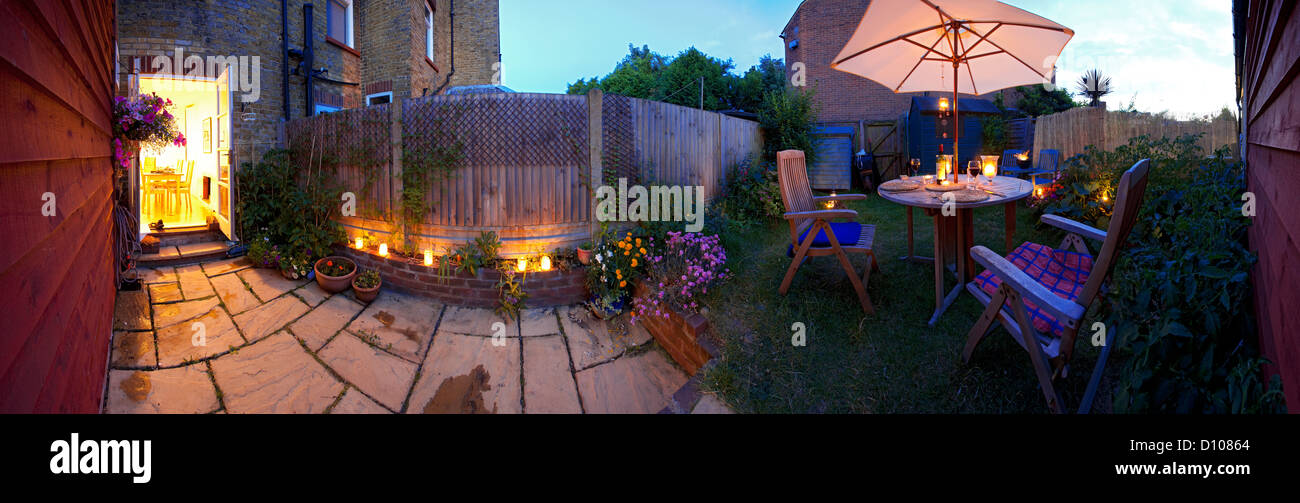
pixel 395 166
pixel 596 146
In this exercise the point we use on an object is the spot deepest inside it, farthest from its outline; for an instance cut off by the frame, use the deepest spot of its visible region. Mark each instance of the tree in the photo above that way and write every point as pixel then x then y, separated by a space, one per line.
pixel 788 117
pixel 680 81
pixel 649 75
pixel 1036 101
pixel 767 76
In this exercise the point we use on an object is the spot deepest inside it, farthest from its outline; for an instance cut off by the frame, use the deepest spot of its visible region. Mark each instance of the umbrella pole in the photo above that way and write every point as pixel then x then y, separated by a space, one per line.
pixel 956 124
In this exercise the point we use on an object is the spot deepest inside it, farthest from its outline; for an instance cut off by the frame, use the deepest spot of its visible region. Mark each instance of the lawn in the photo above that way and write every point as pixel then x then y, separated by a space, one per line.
pixel 889 362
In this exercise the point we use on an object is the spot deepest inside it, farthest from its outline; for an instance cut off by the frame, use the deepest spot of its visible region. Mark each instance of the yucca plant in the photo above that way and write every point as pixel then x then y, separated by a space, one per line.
pixel 1094 85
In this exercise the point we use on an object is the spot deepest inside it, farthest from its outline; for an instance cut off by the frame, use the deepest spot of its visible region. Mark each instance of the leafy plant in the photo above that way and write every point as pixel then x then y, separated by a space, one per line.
pixel 1094 85
pixel 753 194
pixel 262 253
pixel 367 279
pixel 288 207
pixel 679 271
pixel 617 264
pixel 336 268
pixel 788 119
pixel 1036 100
pixel 512 294
pixel 476 254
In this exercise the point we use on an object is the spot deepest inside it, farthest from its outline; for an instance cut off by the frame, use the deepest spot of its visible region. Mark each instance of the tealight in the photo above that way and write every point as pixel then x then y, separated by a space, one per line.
pixel 546 262
pixel 383 249
pixel 521 265
pixel 360 244
pixel 428 257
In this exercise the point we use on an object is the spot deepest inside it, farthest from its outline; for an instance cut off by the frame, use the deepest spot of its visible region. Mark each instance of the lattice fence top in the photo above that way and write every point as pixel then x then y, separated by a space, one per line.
pixel 618 134
pixel 357 138
pixel 504 129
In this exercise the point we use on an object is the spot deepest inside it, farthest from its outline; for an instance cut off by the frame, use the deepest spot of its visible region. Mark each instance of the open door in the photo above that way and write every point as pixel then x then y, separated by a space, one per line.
pixel 225 175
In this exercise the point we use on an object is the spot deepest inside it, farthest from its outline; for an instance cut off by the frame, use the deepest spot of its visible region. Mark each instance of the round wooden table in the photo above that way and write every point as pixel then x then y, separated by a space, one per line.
pixel 954 231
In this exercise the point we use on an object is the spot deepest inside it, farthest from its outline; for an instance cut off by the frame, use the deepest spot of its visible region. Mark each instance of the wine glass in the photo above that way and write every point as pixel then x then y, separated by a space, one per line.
pixel 916 166
pixel 972 171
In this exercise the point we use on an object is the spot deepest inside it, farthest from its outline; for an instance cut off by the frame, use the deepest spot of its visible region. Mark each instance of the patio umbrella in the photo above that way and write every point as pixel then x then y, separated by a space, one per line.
pixel 968 46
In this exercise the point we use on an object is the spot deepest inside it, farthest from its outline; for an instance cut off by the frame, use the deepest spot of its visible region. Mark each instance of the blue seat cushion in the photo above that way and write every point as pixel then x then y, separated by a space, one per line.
pixel 847 233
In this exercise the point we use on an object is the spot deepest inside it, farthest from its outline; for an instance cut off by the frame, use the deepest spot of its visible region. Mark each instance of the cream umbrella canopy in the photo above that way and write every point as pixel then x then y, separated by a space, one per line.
pixel 962 46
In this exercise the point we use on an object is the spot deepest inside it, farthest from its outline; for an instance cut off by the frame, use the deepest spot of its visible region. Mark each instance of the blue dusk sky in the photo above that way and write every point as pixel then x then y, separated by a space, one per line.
pixel 1167 55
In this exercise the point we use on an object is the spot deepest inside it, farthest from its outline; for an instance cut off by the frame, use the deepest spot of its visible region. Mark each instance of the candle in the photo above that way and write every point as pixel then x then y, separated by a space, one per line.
pixel 521 265
pixel 830 204
pixel 928 179
pixel 383 249
pixel 546 262
pixel 360 244
pixel 428 257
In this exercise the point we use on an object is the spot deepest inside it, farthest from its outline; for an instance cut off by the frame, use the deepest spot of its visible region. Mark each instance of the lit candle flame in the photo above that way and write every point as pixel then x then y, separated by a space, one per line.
pixel 428 257
pixel 521 265
pixel 383 249
pixel 546 262
pixel 360 244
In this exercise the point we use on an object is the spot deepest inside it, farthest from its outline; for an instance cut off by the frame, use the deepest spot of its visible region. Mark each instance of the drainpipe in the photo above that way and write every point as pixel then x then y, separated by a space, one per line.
pixel 284 55
pixel 451 11
pixel 308 57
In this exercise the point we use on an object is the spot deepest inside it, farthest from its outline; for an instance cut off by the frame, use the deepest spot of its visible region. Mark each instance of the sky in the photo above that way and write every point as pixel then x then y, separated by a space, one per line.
pixel 1166 55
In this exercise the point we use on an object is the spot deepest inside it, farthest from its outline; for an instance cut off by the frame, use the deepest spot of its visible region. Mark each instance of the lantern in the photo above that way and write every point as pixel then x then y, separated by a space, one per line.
pixel 546 262
pixel 830 204
pixel 383 249
pixel 989 166
pixel 943 104
pixel 521 265
pixel 428 257
pixel 360 244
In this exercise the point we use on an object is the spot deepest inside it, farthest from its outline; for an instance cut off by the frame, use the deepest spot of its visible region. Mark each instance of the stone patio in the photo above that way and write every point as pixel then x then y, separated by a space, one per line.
pixel 226 337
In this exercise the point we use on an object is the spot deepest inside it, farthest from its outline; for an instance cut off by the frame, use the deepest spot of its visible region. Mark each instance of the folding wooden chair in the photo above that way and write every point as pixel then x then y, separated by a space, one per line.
pixel 1040 294
pixel 811 232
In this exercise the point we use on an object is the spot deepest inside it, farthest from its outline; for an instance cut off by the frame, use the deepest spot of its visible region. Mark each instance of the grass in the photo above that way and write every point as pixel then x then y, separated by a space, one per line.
pixel 889 362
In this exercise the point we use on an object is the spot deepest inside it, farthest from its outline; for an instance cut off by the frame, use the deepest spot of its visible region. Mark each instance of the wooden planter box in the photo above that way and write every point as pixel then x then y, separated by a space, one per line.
pixel 682 335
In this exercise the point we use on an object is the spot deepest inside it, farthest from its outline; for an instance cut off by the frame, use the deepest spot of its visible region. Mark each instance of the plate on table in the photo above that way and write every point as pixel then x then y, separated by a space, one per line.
pixel 970 196
pixel 900 185
pixel 934 187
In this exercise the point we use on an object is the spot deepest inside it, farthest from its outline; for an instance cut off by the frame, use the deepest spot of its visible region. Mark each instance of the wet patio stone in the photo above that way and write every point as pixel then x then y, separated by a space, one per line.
pixel 353 402
pixel 265 319
pixel 185 390
pixel 382 376
pixel 194 284
pixel 274 376
pixel 316 328
pixel 548 385
pixel 226 266
pixel 401 324
pixel 268 283
pixel 133 349
pixel 593 341
pixel 166 315
pixel 150 276
pixel 640 384
pixel 131 311
pixel 474 321
pixel 466 374
pixel 312 294
pixel 234 294
pixel 165 292
pixel 176 344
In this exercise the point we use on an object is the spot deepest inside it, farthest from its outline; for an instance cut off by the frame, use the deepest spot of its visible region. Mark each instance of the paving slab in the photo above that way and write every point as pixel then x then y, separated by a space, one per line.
pixel 467 374
pixel 268 283
pixel 475 321
pixel 710 404
pixel 165 292
pixel 402 324
pixel 312 293
pixel 548 384
pixel 194 283
pixel 195 249
pixel 353 402
pixel 274 376
pixel 179 343
pixel 540 321
pixel 131 311
pixel 184 390
pixel 234 294
pixel 166 315
pixel 593 341
pixel 317 327
pixel 151 275
pixel 382 376
pixel 226 266
pixel 265 319
pixel 640 384
pixel 133 349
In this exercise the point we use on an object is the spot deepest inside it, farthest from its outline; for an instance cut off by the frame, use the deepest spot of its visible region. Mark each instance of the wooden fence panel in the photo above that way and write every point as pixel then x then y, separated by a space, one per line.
pixel 1073 130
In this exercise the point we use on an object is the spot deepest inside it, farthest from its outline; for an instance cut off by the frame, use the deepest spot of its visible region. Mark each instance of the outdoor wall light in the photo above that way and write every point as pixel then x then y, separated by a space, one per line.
pixel 428 257
pixel 943 104
pixel 383 249
pixel 521 265
pixel 546 262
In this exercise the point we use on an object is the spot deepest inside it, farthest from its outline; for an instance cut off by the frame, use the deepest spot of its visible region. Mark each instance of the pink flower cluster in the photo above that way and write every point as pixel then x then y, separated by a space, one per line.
pixel 682 270
pixel 144 119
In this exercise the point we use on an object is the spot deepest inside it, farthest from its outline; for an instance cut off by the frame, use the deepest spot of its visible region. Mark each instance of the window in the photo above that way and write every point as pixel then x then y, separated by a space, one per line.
pixel 338 21
pixel 379 98
pixel 428 32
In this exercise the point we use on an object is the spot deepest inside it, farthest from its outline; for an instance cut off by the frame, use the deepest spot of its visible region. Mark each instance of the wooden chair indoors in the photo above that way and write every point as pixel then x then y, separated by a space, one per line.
pixel 812 233
pixel 1040 294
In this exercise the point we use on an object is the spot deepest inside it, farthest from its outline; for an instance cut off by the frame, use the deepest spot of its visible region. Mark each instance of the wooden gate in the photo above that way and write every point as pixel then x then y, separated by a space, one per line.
pixel 884 140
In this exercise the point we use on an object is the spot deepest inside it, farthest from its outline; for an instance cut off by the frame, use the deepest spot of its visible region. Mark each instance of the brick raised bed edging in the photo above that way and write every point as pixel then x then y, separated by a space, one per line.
pixel 545 289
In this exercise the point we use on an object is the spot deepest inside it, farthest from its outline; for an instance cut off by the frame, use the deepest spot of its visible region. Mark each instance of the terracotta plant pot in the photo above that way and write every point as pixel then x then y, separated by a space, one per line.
pixel 366 294
pixel 334 284
pixel 584 256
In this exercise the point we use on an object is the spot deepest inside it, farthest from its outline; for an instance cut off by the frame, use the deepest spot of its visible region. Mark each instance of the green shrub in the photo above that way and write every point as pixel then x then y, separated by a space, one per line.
pixel 289 210
pixel 753 194
pixel 1179 295
pixel 788 118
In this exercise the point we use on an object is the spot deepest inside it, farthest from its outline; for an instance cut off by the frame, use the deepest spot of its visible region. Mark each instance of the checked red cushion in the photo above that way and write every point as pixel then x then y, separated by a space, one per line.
pixel 1061 271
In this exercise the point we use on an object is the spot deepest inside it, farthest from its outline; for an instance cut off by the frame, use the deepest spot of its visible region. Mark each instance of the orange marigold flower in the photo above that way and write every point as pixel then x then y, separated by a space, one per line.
pixel 622 284
pixel 633 262
pixel 643 251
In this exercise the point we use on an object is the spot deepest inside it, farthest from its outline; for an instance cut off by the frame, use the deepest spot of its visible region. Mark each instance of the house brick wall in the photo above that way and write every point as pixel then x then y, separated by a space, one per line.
pixel 478 41
pixel 822 27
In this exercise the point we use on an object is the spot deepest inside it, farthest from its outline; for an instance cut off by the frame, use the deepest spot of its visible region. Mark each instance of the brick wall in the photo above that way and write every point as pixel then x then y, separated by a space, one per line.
pixel 545 289
pixel 822 27
pixel 478 41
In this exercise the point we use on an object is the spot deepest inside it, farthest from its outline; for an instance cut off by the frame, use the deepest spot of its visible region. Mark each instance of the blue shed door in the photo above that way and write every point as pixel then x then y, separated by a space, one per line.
pixel 833 167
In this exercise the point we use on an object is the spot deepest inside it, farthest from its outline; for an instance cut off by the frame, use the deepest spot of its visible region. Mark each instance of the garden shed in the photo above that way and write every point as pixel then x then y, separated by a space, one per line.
pixel 832 167
pixel 924 144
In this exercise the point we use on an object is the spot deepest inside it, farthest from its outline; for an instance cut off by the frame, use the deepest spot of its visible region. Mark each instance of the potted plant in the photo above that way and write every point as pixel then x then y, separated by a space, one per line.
pixel 366 285
pixel 294 268
pixel 584 252
pixel 334 274
pixel 611 279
